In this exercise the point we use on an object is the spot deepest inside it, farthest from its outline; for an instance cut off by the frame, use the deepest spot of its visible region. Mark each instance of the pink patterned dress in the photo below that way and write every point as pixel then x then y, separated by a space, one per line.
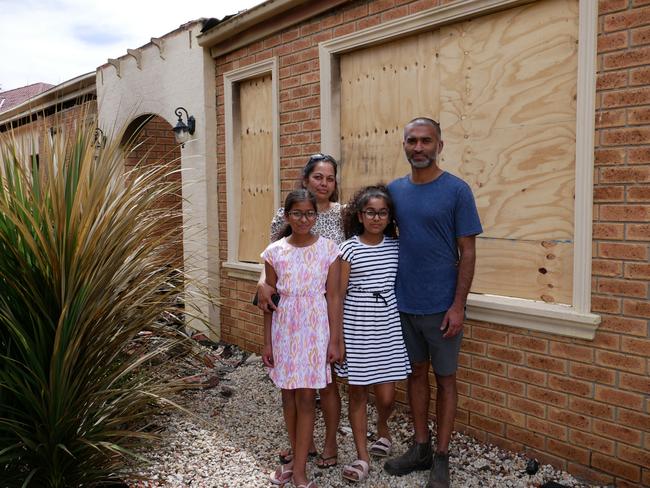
pixel 300 327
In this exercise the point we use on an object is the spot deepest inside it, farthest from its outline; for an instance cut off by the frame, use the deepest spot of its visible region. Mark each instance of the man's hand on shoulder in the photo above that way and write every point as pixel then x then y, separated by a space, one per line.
pixel 452 323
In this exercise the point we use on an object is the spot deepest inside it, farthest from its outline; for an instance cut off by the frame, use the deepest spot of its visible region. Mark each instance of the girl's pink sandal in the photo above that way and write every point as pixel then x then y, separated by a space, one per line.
pixel 281 476
pixel 357 471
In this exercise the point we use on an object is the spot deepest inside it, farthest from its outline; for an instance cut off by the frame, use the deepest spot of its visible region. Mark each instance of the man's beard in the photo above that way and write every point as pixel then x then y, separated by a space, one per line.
pixel 423 163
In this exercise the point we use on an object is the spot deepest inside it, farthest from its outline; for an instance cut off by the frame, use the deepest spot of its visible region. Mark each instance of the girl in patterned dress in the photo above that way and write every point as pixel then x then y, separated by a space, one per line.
pixel 302 335
pixel 319 177
pixel 374 345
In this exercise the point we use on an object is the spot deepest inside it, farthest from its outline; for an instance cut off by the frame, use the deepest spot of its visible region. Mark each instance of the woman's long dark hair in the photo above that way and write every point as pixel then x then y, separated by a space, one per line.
pixel 351 224
pixel 311 165
pixel 296 196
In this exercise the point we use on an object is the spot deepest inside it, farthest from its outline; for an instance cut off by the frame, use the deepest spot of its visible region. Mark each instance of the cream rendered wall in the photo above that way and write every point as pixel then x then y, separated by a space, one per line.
pixel 155 79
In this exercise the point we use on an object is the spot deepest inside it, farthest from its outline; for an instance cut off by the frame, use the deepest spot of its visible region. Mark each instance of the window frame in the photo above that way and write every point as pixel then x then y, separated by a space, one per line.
pixel 231 79
pixel 575 320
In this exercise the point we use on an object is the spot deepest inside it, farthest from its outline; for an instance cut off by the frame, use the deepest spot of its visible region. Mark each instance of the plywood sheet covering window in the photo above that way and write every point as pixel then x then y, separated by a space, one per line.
pixel 503 87
pixel 255 150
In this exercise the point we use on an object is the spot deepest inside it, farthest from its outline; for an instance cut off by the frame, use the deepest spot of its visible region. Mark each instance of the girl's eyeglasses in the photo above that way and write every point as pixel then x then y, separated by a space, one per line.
pixel 371 214
pixel 298 215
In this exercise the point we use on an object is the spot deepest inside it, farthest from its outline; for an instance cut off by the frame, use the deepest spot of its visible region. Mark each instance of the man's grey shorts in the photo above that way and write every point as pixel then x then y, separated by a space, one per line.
pixel 424 341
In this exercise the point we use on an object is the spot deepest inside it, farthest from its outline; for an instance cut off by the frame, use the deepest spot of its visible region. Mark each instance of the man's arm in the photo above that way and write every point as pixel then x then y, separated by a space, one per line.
pixel 454 317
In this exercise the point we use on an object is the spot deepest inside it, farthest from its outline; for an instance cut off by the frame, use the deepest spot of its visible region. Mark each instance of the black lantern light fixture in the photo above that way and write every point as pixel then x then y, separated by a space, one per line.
pixel 183 131
pixel 100 138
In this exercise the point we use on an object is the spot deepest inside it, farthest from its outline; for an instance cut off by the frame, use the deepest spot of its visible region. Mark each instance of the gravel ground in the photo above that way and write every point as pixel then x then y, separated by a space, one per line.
pixel 236 431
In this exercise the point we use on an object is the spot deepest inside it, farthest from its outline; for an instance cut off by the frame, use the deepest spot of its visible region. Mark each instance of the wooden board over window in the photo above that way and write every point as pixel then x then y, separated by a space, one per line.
pixel 503 87
pixel 255 148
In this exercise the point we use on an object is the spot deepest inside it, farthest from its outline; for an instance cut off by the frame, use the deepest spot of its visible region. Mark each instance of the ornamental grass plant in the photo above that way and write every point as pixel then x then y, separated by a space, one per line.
pixel 84 281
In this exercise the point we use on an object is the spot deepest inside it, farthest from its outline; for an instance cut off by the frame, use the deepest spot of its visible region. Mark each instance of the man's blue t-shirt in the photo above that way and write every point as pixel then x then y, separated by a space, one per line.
pixel 430 217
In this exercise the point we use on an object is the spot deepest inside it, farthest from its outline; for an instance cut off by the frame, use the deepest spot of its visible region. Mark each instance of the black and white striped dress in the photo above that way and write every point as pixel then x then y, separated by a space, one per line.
pixel 374 345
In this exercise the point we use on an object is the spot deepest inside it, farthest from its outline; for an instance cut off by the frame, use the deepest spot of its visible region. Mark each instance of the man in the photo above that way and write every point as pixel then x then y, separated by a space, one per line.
pixel 438 223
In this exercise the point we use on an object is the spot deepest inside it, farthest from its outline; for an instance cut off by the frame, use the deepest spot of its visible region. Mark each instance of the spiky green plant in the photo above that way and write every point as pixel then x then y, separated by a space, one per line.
pixel 83 270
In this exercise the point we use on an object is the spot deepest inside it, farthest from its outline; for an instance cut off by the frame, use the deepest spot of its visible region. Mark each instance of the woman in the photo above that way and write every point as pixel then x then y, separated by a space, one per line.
pixel 319 177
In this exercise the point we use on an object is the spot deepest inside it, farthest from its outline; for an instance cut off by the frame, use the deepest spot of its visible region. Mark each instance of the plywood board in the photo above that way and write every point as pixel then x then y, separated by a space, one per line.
pixel 256 163
pixel 382 88
pixel 535 270
pixel 508 110
pixel 504 89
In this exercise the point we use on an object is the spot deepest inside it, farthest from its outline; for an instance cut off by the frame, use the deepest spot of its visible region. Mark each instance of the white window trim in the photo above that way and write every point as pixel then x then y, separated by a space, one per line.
pixel 571 320
pixel 233 171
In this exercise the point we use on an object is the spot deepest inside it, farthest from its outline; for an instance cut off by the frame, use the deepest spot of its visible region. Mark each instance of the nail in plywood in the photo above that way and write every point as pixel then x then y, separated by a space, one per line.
pixel 535 270
pixel 256 159
pixel 383 87
pixel 508 87
pixel 503 87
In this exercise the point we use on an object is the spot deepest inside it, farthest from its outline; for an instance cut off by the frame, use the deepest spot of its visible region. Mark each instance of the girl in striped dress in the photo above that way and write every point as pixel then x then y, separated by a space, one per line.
pixel 375 350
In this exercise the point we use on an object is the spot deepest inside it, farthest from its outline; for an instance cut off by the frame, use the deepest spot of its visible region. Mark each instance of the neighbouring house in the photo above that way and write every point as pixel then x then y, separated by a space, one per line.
pixel 11 98
pixel 545 111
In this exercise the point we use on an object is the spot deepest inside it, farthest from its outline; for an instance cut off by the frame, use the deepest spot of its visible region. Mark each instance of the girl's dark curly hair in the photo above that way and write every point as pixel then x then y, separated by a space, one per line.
pixel 296 196
pixel 351 224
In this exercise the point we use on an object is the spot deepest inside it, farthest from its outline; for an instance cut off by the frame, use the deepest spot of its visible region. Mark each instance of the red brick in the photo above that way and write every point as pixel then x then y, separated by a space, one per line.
pixel 471 405
pixel 602 267
pixel 472 376
pixel 633 455
pixel 609 194
pixel 634 174
pixel 623 287
pixel 547 428
pixel 638 194
pixel 617 432
pixel 395 13
pixel 488 365
pixel 626 97
pixel 606 6
pixel 609 156
pixel 583 472
pixel 609 231
pixel 637 270
pixel 592 442
pixel 505 354
pixel 624 325
pixel 634 419
pixel 618 397
pixel 636 346
pixel 527 375
pixel 620 361
pixel 605 304
pixel 546 363
pixel 507 385
pixel 526 437
pixel 639 36
pixel 625 251
pixel 565 417
pixel 491 396
pixel 547 396
pixel 612 42
pixel 638 116
pixel 486 424
pixel 636 308
pixel 638 155
pixel 489 335
pixel 507 416
pixel 625 212
pixel 625 137
pixel 627 19
pixel 568 451
pixel 639 76
pixel 529 343
pixel 611 79
pixel 638 232
pixel 593 373
pixel 591 408
pixel 568 385
pixel 528 407
pixel 635 383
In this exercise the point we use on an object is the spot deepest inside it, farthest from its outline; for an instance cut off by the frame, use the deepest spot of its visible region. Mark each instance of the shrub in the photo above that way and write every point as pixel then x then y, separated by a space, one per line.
pixel 83 271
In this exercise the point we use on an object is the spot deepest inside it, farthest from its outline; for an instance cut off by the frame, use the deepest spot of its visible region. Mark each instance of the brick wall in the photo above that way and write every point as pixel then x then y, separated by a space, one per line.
pixel 580 405
pixel 155 144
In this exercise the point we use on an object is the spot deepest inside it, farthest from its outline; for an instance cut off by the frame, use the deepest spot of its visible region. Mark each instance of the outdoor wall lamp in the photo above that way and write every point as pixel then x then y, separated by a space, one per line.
pixel 100 138
pixel 183 131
